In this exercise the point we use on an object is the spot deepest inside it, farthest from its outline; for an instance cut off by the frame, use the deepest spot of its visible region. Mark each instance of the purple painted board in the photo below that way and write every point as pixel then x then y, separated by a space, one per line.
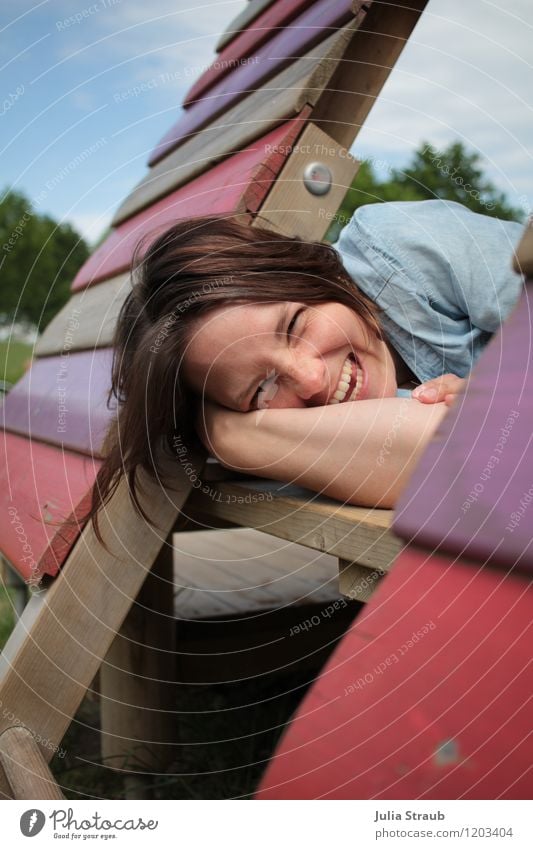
pixel 62 400
pixel 472 492
pixel 287 45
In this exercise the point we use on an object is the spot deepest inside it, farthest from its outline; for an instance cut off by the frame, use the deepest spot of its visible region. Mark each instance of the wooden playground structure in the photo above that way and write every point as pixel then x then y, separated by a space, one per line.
pixel 255 139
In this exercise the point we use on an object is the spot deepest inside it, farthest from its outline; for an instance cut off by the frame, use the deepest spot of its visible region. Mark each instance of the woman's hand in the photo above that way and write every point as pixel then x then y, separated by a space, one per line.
pixel 444 388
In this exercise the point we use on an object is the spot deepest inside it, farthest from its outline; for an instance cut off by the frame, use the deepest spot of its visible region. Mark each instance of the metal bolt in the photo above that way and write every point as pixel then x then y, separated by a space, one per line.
pixel 317 178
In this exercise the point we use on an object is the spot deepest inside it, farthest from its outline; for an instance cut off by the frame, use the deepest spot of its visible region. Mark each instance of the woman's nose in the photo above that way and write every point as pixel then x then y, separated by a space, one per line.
pixel 306 375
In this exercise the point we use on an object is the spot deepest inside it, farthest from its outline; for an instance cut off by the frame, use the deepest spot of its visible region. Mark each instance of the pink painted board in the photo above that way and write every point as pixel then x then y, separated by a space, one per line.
pixel 40 486
pixel 230 186
pixel 428 696
pixel 472 491
pixel 288 44
pixel 242 46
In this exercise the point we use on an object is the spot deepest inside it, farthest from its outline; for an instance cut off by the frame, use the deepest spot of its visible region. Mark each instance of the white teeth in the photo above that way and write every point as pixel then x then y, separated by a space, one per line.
pixel 344 383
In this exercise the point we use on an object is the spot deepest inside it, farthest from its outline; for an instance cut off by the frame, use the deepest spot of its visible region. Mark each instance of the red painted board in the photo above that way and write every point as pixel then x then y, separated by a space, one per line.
pixel 241 180
pixel 63 400
pixel 472 491
pixel 428 695
pixel 40 486
pixel 241 48
pixel 287 45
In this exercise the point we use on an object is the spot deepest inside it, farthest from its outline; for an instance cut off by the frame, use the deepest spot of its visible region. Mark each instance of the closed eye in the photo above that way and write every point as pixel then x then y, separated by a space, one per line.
pixel 294 320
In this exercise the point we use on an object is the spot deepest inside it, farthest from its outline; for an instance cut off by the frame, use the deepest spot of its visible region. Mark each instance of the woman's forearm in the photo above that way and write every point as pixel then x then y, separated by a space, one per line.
pixel 360 453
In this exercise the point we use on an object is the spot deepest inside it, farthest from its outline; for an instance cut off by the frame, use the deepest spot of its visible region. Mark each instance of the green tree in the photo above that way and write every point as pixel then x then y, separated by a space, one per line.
pixel 38 261
pixel 453 173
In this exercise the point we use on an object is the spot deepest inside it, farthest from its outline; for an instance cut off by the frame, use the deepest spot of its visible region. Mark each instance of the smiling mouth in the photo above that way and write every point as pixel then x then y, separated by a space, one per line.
pixel 350 382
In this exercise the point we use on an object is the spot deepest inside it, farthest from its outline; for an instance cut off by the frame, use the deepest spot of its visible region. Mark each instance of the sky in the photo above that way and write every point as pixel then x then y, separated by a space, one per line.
pixel 76 130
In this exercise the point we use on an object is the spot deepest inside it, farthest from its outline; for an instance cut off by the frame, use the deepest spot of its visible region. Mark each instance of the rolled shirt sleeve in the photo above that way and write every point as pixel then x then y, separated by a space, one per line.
pixel 441 275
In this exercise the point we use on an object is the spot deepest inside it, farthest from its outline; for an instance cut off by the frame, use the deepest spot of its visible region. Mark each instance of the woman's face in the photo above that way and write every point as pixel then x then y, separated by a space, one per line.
pixel 286 354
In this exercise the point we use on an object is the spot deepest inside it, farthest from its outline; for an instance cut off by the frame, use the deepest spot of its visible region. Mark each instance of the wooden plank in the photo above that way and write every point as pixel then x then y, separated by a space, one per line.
pixel 292 513
pixel 138 727
pixel 84 609
pixel 343 107
pixel 87 320
pixel 358 582
pixel 244 43
pixel 472 488
pixel 306 31
pixel 26 770
pixel 238 572
pixel 243 19
pixel 236 185
pixel 290 208
pixel 40 486
pixel 225 137
pixel 426 697
pixel 62 400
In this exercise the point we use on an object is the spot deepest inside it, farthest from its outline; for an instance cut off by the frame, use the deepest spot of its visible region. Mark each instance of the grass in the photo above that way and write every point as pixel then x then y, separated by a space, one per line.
pixel 227 735
pixel 13 357
pixel 7 619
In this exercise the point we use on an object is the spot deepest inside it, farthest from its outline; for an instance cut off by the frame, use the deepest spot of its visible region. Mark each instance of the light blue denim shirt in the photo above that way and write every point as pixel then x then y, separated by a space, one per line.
pixel 441 274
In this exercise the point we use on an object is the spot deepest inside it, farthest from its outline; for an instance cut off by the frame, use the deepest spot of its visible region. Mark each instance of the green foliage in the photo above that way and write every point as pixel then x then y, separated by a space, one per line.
pixel 451 174
pixel 14 357
pixel 39 260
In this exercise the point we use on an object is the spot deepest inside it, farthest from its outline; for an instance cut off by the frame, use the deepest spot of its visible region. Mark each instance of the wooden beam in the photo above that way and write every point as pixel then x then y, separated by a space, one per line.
pixel 138 723
pixel 84 609
pixel 357 534
pixel 26 770
pixel 284 97
pixel 358 582
pixel 290 207
pixel 371 55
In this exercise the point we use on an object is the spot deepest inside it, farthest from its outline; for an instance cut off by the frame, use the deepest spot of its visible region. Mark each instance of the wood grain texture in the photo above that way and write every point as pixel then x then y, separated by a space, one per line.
pixel 288 44
pixel 139 728
pixel 287 95
pixel 238 572
pixel 354 533
pixel 235 131
pixel 358 582
pixel 426 697
pixel 71 634
pixel 368 61
pixel 471 490
pixel 290 207
pixel 236 185
pixel 26 770
pixel 40 486
pixel 243 20
pixel 62 400
pixel 87 320
pixel 245 42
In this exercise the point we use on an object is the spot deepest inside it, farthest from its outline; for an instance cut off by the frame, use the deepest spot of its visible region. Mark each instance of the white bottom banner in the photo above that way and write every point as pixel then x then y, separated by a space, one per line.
pixel 268 825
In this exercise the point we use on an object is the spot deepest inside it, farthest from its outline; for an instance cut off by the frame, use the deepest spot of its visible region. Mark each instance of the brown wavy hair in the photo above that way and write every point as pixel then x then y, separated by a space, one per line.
pixel 190 269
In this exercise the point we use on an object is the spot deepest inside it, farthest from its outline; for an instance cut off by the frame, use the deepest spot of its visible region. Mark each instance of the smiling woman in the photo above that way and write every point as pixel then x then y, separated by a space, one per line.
pixel 257 344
